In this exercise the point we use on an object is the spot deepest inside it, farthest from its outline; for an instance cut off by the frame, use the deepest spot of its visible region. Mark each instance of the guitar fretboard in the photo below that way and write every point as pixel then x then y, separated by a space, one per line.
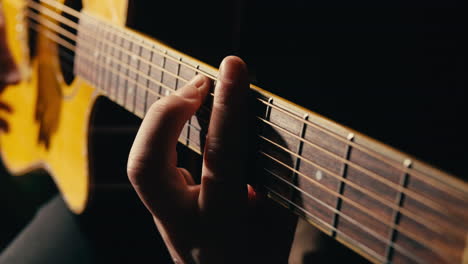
pixel 380 202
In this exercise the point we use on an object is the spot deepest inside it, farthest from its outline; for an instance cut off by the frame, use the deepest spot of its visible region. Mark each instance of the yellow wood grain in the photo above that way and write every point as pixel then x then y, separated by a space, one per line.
pixel 66 159
pixel 465 252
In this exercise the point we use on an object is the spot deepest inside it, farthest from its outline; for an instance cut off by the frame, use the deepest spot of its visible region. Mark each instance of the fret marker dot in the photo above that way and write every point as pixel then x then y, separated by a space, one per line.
pixel 350 136
pixel 134 57
pixel 318 175
pixel 407 163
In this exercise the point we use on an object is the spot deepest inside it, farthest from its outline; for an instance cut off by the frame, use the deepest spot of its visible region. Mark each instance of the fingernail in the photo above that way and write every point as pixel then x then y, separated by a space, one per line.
pixel 197 81
pixel 226 73
pixel 230 72
pixel 188 91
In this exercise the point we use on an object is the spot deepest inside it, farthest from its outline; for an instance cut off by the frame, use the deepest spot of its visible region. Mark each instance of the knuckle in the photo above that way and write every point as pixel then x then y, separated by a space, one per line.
pixel 213 147
pixel 221 104
pixel 135 170
pixel 170 107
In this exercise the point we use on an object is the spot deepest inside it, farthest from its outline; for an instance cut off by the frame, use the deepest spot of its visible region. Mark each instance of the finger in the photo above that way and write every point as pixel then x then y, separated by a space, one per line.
pixel 222 174
pixel 187 176
pixel 152 160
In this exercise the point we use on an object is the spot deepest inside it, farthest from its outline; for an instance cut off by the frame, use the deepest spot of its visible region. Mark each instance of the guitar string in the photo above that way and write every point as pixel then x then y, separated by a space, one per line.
pixel 68 34
pixel 385 203
pixel 68 58
pixel 318 220
pixel 369 251
pixel 431 179
pixel 393 185
pixel 411 236
pixel 365 171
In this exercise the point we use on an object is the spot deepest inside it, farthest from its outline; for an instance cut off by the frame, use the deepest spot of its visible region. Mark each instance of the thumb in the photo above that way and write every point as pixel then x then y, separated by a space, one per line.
pixel 152 160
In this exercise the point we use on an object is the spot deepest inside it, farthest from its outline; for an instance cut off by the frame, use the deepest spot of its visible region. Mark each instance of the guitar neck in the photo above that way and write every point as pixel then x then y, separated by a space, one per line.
pixel 384 204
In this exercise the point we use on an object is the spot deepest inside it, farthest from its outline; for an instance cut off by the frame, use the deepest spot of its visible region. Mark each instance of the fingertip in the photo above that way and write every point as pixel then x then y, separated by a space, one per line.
pixel 196 88
pixel 232 70
pixel 205 86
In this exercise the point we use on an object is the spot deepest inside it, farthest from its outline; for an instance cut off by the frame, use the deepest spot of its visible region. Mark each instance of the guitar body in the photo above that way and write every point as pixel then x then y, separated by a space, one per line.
pixel 49 125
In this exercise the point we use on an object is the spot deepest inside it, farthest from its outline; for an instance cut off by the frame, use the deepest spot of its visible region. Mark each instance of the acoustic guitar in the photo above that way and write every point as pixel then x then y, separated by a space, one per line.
pixel 384 204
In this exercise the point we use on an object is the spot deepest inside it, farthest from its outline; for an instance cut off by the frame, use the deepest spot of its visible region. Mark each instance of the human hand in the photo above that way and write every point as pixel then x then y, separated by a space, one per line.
pixel 222 220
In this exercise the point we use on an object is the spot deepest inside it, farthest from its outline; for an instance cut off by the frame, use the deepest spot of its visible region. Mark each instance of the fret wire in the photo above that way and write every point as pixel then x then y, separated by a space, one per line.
pixel 341 214
pixel 99 48
pixel 162 75
pixel 341 184
pixel 75 13
pixel 107 76
pixel 365 150
pixel 373 175
pixel 165 54
pixel 368 212
pixel 114 80
pixel 120 87
pixel 349 218
pixel 266 117
pixel 91 69
pixel 297 162
pixel 135 94
pixel 91 72
pixel 360 149
pixel 177 74
pixel 127 73
pixel 370 152
pixel 323 223
pixel 95 54
pixel 416 240
pixel 438 229
pixel 129 91
pixel 316 146
pixel 148 83
pixel 102 58
pixel 160 83
pixel 379 156
pixel 321 149
pixel 396 216
pixel 415 195
pixel 306 193
pixel 53 37
pixel 188 132
pixel 414 217
pixel 192 126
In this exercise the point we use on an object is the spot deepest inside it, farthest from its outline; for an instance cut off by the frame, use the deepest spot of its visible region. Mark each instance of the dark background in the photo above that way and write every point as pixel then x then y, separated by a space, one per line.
pixel 394 70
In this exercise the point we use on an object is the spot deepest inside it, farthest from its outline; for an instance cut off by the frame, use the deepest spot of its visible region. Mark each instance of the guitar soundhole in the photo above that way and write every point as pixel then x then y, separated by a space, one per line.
pixel 67 57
